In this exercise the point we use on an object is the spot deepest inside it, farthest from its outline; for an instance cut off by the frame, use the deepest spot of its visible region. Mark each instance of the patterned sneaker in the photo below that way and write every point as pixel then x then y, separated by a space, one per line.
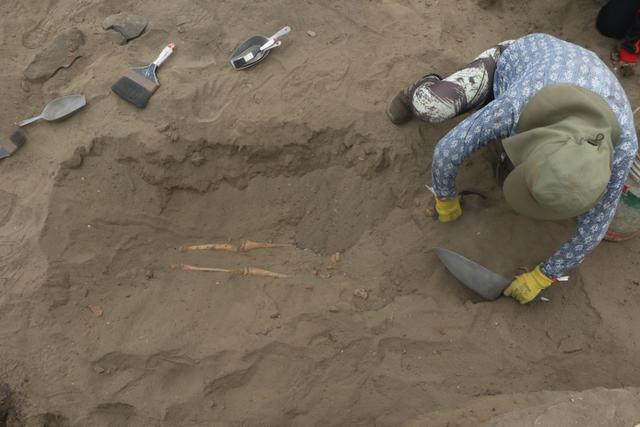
pixel 400 110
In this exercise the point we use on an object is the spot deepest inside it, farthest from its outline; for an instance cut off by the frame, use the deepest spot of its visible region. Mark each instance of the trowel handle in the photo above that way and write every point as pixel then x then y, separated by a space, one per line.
pixel 27 121
pixel 283 32
pixel 166 52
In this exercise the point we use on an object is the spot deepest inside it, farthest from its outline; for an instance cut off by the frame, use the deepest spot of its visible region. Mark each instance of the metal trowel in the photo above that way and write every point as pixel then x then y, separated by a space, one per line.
pixel 479 279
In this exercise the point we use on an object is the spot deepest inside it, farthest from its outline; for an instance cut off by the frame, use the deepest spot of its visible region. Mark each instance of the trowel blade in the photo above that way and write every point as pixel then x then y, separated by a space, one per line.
pixel 479 279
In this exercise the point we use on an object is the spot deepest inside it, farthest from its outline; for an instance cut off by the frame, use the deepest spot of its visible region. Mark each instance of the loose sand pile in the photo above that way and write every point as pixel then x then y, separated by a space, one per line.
pixel 95 330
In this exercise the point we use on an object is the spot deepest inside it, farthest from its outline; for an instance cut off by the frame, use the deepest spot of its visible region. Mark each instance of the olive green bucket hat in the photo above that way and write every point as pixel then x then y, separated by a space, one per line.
pixel 562 153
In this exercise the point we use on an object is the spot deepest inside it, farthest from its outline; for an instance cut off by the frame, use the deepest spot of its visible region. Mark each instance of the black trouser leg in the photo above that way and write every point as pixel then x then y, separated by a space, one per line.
pixel 617 17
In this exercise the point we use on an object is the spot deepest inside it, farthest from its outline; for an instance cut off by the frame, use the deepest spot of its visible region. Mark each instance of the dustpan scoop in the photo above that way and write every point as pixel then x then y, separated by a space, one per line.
pixel 255 49
pixel 58 109
pixel 246 48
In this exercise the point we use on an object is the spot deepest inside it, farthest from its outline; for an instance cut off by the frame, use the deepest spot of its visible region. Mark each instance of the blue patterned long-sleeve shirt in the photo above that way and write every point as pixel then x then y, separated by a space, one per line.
pixel 526 66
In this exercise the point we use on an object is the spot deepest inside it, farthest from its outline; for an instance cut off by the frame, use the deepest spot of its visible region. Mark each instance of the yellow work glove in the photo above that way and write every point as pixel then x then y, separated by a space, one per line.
pixel 448 210
pixel 527 286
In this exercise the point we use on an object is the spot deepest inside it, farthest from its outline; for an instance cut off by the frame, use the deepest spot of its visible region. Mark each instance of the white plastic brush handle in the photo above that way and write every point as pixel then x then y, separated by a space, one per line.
pixel 281 33
pixel 274 38
pixel 276 44
pixel 166 52
pixel 270 45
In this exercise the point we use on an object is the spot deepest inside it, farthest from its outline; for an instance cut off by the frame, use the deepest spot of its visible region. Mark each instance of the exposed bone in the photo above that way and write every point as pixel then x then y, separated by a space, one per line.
pixel 187 267
pixel 210 247
pixel 245 246
pixel 245 271
pixel 259 272
pixel 249 245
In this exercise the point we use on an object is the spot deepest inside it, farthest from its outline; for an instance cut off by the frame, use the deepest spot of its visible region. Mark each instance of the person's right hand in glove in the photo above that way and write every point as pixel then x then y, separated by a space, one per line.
pixel 448 210
pixel 527 286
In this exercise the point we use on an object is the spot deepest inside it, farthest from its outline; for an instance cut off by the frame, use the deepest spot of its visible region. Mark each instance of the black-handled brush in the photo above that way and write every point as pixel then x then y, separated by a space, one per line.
pixel 138 84
pixel 16 140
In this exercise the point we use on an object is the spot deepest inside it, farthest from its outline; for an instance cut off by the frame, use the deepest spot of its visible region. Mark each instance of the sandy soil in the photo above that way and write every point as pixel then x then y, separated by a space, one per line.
pixel 297 150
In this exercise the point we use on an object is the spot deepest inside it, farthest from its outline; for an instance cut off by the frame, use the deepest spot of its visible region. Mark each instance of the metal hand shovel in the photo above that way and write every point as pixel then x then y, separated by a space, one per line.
pixel 59 108
pixel 479 279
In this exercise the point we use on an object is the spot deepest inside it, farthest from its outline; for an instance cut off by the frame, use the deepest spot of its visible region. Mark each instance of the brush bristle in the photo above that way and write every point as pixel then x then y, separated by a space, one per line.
pixel 132 92
pixel 18 139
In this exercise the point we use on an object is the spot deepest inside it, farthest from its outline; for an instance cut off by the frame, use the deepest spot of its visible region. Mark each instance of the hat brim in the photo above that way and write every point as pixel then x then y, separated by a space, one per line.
pixel 520 199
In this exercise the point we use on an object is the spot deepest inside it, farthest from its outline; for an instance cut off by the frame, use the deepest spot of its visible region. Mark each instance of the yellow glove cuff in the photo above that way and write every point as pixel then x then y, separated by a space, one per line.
pixel 541 279
pixel 448 210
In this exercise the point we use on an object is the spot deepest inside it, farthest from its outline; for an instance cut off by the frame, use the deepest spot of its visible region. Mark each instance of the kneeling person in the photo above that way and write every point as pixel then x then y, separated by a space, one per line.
pixel 565 139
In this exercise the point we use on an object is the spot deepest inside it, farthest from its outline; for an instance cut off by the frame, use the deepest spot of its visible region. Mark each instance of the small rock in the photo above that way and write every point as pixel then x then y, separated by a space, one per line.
pixel 96 310
pixel 163 127
pixel 26 87
pixel 322 274
pixel 148 275
pixel 175 137
pixel 197 159
pixel 129 26
pixel 311 34
pixel 361 293
pixel 275 315
pixel 333 309
pixel 98 369
pixel 336 258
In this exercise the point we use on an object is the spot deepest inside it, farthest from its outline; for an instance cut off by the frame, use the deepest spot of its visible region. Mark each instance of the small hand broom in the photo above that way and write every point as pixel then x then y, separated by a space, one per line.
pixel 138 84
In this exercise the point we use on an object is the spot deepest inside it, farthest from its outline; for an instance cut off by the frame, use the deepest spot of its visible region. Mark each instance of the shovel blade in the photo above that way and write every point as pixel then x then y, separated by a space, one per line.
pixel 479 279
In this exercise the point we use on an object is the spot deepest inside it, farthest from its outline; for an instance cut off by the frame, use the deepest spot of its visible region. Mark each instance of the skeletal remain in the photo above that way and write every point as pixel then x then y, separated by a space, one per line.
pixel 210 247
pixel 245 246
pixel 245 271
pixel 249 245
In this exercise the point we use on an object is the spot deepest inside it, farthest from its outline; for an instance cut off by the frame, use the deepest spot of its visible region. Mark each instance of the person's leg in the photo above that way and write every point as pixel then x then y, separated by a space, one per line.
pixel 434 100
pixel 616 17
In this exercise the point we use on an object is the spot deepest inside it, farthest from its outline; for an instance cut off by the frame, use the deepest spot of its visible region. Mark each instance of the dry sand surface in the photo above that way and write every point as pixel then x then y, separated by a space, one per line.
pixel 96 330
